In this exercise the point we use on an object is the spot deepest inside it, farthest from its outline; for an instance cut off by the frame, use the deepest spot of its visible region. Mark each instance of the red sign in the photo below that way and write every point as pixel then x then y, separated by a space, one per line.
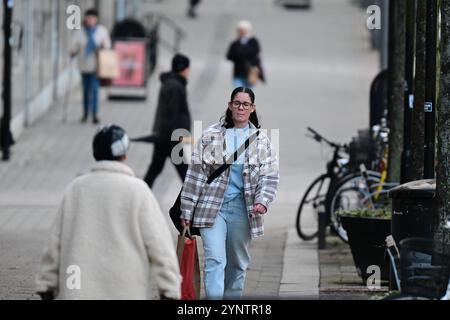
pixel 132 63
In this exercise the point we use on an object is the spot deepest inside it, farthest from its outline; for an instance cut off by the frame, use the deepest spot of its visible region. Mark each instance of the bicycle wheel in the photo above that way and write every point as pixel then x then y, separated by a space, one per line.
pixel 351 192
pixel 307 221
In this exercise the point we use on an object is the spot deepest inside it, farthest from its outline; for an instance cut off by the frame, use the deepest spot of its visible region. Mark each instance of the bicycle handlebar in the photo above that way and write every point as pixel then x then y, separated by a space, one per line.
pixel 319 138
pixel 313 131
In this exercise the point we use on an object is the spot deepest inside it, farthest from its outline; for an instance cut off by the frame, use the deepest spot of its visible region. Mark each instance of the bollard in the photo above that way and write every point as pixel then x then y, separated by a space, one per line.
pixel 322 229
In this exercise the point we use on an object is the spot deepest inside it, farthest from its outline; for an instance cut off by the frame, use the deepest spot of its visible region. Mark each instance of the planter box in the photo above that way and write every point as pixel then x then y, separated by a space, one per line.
pixel 366 237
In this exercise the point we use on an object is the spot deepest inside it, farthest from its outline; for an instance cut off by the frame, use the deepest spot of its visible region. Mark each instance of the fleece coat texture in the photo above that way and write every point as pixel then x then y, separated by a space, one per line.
pixel 107 239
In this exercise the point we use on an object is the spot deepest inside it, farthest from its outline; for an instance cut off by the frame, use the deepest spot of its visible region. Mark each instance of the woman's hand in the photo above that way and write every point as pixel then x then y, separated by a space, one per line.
pixel 185 223
pixel 259 209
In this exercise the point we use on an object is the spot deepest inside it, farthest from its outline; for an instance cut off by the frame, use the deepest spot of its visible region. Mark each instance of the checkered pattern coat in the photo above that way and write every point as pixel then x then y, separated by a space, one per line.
pixel 260 174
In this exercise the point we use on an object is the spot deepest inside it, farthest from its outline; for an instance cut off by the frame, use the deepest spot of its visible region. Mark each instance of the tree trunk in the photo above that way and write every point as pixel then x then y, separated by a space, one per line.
pixel 443 130
pixel 417 134
pixel 397 29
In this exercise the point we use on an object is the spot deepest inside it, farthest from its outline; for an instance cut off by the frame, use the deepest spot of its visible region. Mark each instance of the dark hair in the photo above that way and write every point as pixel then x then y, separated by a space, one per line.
pixel 180 62
pixel 110 143
pixel 91 12
pixel 228 119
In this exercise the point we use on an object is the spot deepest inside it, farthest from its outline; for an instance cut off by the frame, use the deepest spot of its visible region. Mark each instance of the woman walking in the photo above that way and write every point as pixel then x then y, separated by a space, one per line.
pixel 229 211
pixel 245 54
pixel 85 43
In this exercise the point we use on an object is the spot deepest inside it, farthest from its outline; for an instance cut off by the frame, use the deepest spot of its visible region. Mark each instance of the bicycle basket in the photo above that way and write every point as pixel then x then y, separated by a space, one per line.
pixel 424 267
pixel 361 150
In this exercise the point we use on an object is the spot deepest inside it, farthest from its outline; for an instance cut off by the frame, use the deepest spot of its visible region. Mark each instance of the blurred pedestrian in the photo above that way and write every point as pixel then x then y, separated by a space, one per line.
pixel 85 44
pixel 245 52
pixel 109 236
pixel 172 113
pixel 192 10
pixel 229 210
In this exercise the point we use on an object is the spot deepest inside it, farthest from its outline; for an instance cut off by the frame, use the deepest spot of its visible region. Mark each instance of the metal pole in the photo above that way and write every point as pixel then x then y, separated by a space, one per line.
pixel 55 9
pixel 409 95
pixel 391 45
pixel 384 34
pixel 7 66
pixel 430 89
pixel 29 66
pixel 322 244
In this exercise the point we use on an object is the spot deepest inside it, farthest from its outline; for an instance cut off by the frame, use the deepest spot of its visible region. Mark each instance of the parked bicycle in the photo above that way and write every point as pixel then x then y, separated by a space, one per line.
pixel 322 196
pixel 368 192
pixel 381 146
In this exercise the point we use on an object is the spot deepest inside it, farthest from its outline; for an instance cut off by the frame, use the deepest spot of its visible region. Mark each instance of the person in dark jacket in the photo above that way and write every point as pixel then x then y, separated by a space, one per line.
pixel 172 113
pixel 191 13
pixel 245 55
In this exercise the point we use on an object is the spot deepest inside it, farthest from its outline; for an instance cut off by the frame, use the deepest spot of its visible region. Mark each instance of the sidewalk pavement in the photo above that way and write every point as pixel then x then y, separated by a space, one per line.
pixel 283 267
pixel 339 279
pixel 50 154
pixel 315 80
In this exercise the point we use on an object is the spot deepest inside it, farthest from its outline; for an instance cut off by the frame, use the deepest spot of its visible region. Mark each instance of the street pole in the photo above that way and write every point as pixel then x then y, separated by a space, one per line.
pixel 391 42
pixel 29 61
pixel 418 120
pixel 384 35
pixel 408 102
pixel 55 36
pixel 430 89
pixel 397 33
pixel 6 138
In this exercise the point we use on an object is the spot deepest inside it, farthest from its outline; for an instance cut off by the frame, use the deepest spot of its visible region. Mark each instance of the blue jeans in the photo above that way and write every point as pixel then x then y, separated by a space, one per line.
pixel 226 246
pixel 90 93
pixel 241 82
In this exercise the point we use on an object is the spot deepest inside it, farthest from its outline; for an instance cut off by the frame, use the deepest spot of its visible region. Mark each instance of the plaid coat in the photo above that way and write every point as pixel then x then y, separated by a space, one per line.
pixel 260 174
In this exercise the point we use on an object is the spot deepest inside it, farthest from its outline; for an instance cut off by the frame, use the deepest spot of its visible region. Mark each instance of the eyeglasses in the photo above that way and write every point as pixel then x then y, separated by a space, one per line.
pixel 246 105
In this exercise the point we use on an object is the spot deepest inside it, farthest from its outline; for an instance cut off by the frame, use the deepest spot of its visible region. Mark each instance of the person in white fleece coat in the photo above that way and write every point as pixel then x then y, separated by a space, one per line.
pixel 109 234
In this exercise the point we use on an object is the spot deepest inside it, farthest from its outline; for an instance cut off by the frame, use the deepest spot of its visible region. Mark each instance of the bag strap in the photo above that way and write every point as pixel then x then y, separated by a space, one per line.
pixel 188 230
pixel 232 158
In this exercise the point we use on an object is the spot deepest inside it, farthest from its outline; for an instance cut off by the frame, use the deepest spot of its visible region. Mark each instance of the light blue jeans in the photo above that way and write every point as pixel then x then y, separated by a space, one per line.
pixel 91 87
pixel 226 246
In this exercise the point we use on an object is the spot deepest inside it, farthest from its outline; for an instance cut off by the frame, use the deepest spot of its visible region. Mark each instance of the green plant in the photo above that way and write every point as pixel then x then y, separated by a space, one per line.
pixel 382 213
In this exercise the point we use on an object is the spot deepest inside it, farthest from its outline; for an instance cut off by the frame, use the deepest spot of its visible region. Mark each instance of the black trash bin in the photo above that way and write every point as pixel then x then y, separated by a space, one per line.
pixel 413 212
pixel 413 209
pixel 128 28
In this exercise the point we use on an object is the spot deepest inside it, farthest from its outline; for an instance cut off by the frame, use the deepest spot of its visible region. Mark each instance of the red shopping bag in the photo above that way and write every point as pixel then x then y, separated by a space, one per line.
pixel 189 266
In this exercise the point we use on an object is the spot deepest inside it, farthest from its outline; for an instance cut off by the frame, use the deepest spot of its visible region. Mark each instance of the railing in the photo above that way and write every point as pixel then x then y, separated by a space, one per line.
pixel 153 22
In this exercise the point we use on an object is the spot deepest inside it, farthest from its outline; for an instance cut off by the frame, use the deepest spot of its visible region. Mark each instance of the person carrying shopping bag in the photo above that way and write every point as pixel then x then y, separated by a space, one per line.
pixel 85 44
pixel 229 210
pixel 245 54
pixel 189 265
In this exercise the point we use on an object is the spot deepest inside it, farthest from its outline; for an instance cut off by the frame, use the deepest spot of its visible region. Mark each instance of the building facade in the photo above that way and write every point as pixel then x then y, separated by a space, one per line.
pixel 41 62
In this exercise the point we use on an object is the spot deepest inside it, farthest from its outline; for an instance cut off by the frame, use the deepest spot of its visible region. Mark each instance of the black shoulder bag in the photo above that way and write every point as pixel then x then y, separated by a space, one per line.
pixel 175 211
